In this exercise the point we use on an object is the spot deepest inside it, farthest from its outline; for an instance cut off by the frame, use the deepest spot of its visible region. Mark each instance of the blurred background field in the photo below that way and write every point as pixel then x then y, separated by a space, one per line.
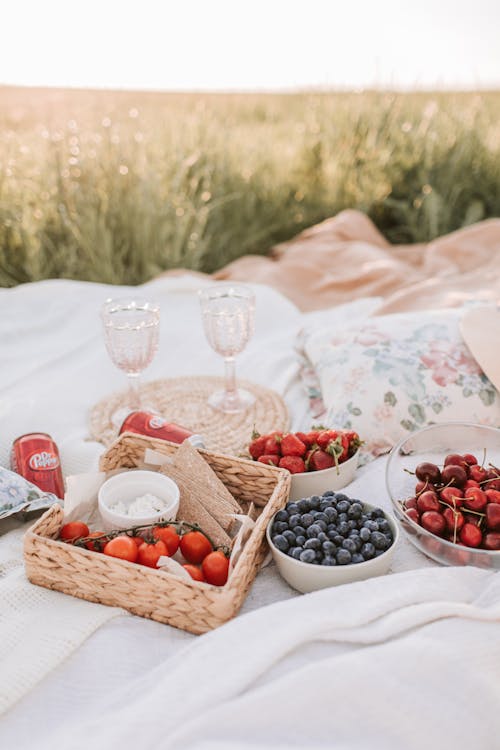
pixel 117 187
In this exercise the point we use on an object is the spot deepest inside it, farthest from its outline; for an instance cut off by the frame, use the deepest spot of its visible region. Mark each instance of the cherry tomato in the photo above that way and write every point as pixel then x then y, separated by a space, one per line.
pixel 195 546
pixel 123 547
pixel 96 546
pixel 168 535
pixel 195 572
pixel 215 568
pixel 73 530
pixel 149 553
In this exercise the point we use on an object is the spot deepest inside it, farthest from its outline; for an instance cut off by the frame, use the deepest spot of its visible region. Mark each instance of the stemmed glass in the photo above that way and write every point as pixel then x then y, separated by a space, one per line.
pixel 228 320
pixel 131 330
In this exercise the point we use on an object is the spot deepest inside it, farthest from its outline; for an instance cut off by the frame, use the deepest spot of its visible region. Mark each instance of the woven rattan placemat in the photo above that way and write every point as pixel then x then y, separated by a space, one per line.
pixel 184 401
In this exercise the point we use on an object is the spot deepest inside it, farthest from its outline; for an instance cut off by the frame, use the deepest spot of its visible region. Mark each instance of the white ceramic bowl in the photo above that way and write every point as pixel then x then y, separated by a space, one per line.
pixel 128 486
pixel 306 577
pixel 316 482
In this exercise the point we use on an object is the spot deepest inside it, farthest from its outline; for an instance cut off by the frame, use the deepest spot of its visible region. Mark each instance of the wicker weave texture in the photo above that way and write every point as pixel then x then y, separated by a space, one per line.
pixel 155 594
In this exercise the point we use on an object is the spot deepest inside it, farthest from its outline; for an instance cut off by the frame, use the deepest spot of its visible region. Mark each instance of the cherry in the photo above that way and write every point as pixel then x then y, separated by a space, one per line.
pixel 454 520
pixel 492 484
pixel 471 483
pixel 428 501
pixel 470 535
pixel 493 517
pixel 477 473
pixel 454 474
pixel 411 503
pixel 492 541
pixel 452 495
pixel 469 459
pixel 413 514
pixel 455 459
pixel 475 499
pixel 422 487
pixel 493 496
pixel 428 472
pixel 433 522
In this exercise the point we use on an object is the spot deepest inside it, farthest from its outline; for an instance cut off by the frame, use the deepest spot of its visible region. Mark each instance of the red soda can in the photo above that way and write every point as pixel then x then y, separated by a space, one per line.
pixel 147 423
pixel 36 458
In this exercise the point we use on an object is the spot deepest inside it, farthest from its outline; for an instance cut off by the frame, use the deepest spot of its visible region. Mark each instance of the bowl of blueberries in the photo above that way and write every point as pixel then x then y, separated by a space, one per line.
pixel 331 539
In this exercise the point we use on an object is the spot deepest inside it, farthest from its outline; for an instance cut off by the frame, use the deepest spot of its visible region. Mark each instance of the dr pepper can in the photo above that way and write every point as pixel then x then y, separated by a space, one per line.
pixel 36 458
pixel 152 425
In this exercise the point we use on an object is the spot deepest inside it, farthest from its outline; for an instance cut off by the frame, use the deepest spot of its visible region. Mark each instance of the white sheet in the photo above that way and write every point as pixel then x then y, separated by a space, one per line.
pixel 54 368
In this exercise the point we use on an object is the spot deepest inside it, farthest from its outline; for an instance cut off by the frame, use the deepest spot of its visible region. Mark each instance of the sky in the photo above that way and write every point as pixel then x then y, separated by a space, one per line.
pixel 251 45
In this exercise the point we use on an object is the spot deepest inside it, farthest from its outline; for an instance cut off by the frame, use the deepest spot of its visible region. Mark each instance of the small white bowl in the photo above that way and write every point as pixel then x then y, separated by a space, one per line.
pixel 306 577
pixel 316 482
pixel 127 487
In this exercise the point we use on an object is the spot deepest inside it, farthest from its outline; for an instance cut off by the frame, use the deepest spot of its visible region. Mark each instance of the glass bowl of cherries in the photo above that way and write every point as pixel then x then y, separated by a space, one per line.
pixel 444 484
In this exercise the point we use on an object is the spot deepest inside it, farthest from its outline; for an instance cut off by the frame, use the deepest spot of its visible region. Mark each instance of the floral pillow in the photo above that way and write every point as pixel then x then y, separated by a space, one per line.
pixel 393 374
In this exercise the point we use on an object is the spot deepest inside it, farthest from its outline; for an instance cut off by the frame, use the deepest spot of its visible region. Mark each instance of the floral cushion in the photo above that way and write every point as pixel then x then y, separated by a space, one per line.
pixel 393 374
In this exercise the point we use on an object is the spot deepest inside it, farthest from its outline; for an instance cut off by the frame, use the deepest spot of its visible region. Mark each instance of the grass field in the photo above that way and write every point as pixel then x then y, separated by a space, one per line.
pixel 116 187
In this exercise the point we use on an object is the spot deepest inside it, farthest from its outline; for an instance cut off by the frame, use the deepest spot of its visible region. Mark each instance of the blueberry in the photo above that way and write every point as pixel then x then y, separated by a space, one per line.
pixel 300 540
pixel 312 544
pixel 292 508
pixel 294 520
pixel 338 539
pixel 355 510
pixel 322 537
pixel 331 514
pixel 343 506
pixel 332 534
pixel 365 534
pixel 329 493
pixel 340 497
pixel 298 530
pixel 324 504
pixel 315 501
pixel 319 555
pixel 280 543
pixel 281 515
pixel 354 533
pixel 329 548
pixel 343 557
pixel 313 530
pixel 321 517
pixel 328 560
pixel 368 551
pixel 384 526
pixel 352 524
pixel 290 537
pixel 295 552
pixel 343 528
pixel 307 556
pixel 371 525
pixel 306 520
pixel 322 525
pixel 379 552
pixel 350 545
pixel 279 527
pixel 342 517
pixel 378 513
pixel 303 505
pixel 357 558
pixel 378 540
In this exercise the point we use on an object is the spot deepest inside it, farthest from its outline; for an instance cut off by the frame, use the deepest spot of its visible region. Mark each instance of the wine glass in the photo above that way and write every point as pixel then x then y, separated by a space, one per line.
pixel 131 329
pixel 228 320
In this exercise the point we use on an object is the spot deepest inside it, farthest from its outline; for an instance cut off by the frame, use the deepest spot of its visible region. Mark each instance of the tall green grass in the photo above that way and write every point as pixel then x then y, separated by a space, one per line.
pixel 117 187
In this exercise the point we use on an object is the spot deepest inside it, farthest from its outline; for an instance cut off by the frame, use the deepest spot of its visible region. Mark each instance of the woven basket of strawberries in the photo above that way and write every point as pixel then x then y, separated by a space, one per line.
pixel 319 460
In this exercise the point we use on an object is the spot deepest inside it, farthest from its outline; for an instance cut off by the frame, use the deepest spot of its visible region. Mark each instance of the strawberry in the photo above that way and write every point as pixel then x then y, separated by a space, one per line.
pixel 272 446
pixel 257 446
pixel 320 460
pixel 354 442
pixel 302 436
pixel 270 460
pixel 291 445
pixel 325 437
pixel 294 464
pixel 310 438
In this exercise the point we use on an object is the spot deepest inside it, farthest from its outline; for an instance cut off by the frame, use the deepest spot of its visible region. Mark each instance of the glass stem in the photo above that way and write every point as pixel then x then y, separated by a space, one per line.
pixel 231 395
pixel 133 391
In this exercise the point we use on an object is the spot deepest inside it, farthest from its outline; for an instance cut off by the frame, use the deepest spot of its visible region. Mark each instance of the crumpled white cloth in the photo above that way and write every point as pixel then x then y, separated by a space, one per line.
pixel 407 661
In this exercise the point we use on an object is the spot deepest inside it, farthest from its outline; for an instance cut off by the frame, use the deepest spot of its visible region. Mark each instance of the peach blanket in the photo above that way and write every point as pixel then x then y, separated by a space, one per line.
pixel 346 257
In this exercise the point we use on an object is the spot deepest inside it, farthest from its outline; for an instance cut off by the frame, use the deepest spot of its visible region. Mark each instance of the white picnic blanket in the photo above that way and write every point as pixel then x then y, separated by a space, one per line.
pixel 340 668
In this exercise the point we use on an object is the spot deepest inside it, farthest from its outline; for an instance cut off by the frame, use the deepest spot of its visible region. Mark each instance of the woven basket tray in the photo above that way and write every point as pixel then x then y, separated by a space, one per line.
pixel 161 596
